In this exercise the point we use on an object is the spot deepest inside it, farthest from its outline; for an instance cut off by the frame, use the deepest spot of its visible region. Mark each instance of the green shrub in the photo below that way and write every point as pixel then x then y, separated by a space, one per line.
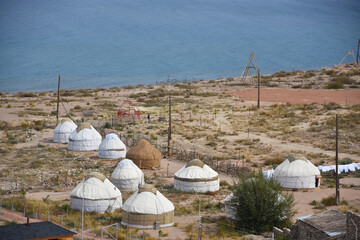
pixel 343 80
pixel 329 201
pixel 346 161
pixel 260 204
pixel 335 85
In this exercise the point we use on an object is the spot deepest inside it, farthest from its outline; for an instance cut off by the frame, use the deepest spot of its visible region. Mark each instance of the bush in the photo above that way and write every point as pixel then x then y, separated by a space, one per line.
pixel 334 85
pixel 346 161
pixel 329 201
pixel 260 204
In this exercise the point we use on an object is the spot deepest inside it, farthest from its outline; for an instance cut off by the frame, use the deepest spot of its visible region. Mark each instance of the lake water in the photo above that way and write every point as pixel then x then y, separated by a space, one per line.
pixel 97 43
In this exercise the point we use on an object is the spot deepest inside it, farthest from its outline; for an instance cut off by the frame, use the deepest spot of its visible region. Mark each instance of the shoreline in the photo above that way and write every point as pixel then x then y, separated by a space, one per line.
pixel 175 81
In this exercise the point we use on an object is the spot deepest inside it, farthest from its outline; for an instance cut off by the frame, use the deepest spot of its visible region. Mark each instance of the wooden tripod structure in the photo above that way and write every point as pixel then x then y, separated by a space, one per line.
pixel 247 76
pixel 351 52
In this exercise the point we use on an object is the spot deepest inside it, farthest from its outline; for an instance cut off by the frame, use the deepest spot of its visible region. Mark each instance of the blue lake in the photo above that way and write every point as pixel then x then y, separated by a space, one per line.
pixel 97 43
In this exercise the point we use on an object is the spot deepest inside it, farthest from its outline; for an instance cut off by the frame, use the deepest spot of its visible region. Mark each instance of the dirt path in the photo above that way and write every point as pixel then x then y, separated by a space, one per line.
pixel 280 146
pixel 349 97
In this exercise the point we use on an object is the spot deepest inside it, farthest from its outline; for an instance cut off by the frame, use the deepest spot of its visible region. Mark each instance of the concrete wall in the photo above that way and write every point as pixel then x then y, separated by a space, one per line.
pixel 351 233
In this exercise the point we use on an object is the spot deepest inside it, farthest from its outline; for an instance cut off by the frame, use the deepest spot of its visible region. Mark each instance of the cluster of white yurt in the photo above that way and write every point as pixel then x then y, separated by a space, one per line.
pixel 146 208
pixel 84 138
pixel 127 176
pixel 98 194
pixel 63 130
pixel 297 172
pixel 112 147
pixel 196 176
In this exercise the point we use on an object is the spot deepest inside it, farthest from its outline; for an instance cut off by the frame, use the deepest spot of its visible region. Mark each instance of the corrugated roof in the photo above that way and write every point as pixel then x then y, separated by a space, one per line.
pixel 332 222
pixel 33 231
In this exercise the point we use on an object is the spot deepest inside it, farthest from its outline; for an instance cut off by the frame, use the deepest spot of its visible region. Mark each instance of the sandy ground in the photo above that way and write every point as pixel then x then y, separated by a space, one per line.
pixel 300 96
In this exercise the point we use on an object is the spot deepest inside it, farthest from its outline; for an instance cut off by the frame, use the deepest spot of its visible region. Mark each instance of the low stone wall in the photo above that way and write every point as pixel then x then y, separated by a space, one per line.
pixel 352 231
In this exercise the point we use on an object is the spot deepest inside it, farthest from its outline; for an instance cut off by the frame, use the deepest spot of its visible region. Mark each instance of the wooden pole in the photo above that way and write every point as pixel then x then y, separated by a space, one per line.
pixel 357 55
pixel 58 99
pixel 169 130
pixel 258 105
pixel 337 163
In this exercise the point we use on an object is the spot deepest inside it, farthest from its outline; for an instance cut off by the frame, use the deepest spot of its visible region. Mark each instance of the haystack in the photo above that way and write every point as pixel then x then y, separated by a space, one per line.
pixel 297 172
pixel 112 147
pixel 127 176
pixel 196 176
pixel 144 155
pixel 99 194
pixel 84 138
pixel 146 207
pixel 63 130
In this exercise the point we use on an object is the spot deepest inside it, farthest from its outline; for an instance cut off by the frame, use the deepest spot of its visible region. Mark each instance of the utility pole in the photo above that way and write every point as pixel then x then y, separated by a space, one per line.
pixel 357 55
pixel 258 73
pixel 169 130
pixel 337 162
pixel 58 99
pixel 199 230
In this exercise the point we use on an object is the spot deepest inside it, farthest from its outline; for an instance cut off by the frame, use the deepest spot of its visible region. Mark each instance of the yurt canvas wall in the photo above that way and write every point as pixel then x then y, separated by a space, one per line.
pixel 127 176
pixel 146 207
pixel 99 194
pixel 196 176
pixel 230 208
pixel 112 147
pixel 84 138
pixel 144 155
pixel 63 130
pixel 297 172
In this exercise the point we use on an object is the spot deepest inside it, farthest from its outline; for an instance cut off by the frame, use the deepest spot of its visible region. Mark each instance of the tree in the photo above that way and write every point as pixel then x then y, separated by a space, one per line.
pixel 260 204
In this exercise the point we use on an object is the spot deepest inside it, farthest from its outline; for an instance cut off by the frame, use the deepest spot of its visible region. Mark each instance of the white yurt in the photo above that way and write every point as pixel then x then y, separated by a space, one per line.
pixel 63 130
pixel 84 138
pixel 196 176
pixel 99 194
pixel 112 147
pixel 146 208
pixel 297 172
pixel 127 176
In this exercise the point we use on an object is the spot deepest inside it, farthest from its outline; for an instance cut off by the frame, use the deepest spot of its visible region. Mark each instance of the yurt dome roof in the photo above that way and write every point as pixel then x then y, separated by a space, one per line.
pixel 97 175
pixel 196 170
pixel 112 142
pixel 148 200
pixel 126 169
pixel 195 162
pixel 66 125
pixel 147 188
pixel 296 156
pixel 84 125
pixel 85 131
pixel 65 120
pixel 296 168
pixel 95 186
pixel 143 150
